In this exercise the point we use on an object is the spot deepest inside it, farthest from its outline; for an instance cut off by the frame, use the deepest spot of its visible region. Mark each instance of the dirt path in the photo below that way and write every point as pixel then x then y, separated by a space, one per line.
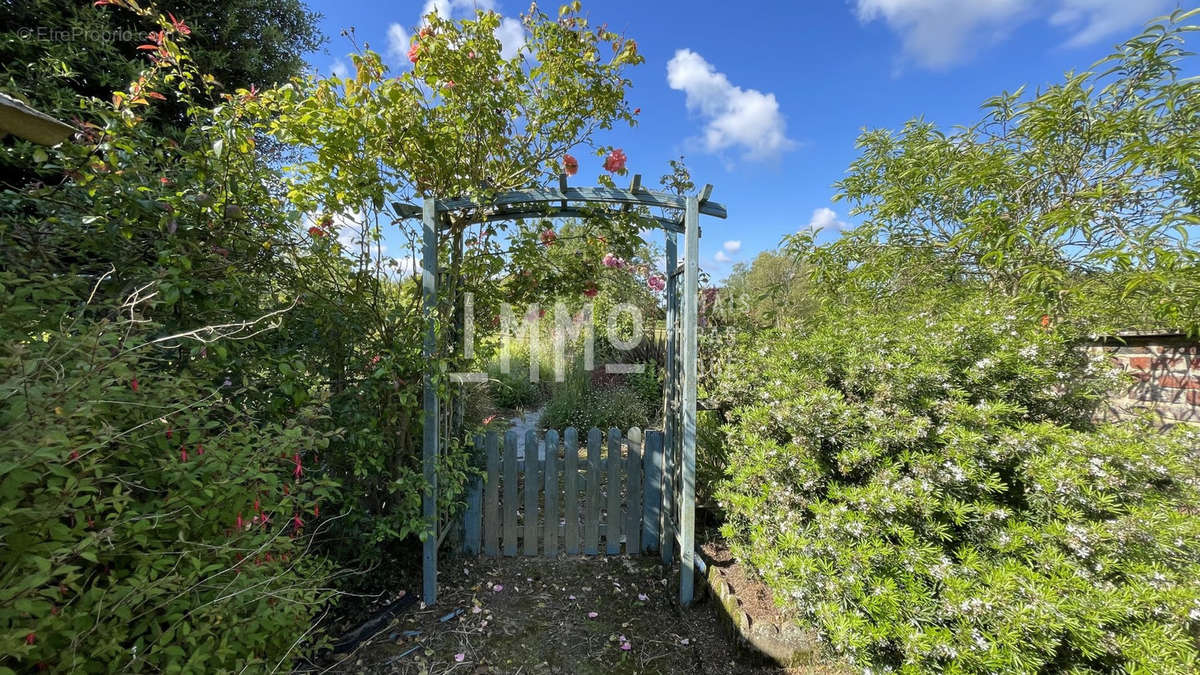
pixel 532 615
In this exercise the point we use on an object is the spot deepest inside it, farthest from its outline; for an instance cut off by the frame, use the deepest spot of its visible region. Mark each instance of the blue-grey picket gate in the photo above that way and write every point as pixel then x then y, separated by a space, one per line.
pixel 565 502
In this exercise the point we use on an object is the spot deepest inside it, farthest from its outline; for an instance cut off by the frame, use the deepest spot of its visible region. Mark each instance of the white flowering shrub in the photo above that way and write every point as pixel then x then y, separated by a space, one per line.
pixel 928 491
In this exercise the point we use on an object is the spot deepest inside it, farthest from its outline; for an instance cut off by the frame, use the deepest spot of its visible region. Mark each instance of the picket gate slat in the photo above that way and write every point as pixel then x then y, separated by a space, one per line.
pixel 633 493
pixel 532 485
pixel 510 493
pixel 591 520
pixel 491 501
pixel 612 518
pixel 651 490
pixel 472 519
pixel 551 494
pixel 571 486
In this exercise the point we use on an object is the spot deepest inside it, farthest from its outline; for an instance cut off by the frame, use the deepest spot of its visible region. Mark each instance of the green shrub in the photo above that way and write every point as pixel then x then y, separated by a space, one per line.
pixel 928 491
pixel 148 522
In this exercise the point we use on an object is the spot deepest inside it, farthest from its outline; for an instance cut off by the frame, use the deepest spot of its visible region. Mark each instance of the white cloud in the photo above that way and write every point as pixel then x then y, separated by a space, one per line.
pixel 939 34
pixel 722 258
pixel 511 35
pixel 824 219
pixel 746 118
pixel 1093 20
pixel 339 68
pixel 398 42
pixel 732 246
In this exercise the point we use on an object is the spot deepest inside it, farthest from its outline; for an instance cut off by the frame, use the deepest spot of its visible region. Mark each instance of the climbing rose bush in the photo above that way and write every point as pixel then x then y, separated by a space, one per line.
pixel 925 488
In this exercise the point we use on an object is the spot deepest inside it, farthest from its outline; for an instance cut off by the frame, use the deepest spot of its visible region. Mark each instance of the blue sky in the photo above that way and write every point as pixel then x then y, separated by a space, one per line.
pixel 765 99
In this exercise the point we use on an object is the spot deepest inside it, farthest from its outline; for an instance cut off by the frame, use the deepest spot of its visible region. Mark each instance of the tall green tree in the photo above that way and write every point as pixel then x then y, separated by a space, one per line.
pixel 1081 198
pixel 53 52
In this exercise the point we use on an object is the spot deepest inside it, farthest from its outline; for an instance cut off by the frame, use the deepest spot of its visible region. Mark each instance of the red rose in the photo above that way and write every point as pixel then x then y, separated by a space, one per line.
pixel 570 165
pixel 615 162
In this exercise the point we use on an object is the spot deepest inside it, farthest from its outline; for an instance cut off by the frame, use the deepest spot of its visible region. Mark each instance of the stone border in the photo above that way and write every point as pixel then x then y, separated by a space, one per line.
pixel 787 645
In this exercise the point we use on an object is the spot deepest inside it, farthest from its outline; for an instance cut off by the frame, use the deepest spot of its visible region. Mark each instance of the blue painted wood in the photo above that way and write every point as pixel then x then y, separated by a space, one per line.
pixel 613 195
pixel 687 488
pixel 533 487
pixel 612 515
pixel 633 493
pixel 473 514
pixel 591 507
pixel 666 545
pixel 551 495
pixel 651 490
pixel 473 517
pixel 571 490
pixel 509 540
pixel 491 496
pixel 429 452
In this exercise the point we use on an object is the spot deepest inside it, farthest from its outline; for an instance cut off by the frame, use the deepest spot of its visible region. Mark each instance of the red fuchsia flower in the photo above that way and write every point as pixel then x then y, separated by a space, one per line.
pixel 549 236
pixel 31 638
pixel 239 523
pixel 317 510
pixel 133 384
pixel 170 432
pixel 257 506
pixel 183 453
pixel 179 26
pixel 615 162
pixel 74 455
pixel 570 165
pixel 316 232
pixel 297 523
pixel 251 93
pixel 299 469
pixel 199 450
pixel 414 53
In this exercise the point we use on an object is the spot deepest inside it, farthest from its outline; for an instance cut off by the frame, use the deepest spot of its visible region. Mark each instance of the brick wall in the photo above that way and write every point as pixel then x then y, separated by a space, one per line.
pixel 1166 375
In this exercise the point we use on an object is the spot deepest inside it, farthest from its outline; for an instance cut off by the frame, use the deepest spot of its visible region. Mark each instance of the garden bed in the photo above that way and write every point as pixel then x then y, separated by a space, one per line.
pixel 574 615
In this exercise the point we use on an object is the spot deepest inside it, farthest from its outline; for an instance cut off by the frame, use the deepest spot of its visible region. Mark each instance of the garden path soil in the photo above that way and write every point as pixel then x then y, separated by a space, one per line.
pixel 573 615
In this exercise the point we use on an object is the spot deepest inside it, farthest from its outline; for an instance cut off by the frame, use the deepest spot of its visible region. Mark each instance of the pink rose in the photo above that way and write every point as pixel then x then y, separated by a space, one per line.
pixel 615 162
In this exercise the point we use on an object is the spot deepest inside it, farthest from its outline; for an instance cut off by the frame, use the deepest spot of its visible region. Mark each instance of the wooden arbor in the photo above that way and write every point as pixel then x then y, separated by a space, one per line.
pixel 679 472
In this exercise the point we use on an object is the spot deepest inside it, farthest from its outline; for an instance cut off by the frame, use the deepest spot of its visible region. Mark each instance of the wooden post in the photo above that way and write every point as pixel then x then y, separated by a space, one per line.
pixel 670 410
pixel 691 305
pixel 429 268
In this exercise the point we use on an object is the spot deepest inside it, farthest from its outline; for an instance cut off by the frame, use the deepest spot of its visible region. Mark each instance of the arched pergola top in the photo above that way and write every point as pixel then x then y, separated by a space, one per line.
pixel 569 202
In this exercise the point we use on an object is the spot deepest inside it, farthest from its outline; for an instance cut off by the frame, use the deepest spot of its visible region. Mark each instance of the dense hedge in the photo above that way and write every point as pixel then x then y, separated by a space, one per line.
pixel 927 490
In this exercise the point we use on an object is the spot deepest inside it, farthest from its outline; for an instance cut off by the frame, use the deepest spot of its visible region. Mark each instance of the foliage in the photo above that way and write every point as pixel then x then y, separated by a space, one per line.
pixel 144 513
pixel 53 53
pixel 1080 199
pixel 602 407
pixel 924 485
pixel 771 291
